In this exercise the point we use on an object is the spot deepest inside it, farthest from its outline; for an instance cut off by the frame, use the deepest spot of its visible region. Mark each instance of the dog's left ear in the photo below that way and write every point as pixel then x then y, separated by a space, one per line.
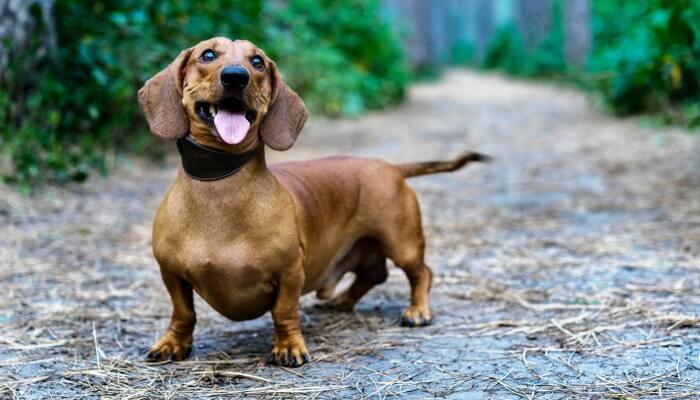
pixel 285 116
pixel 161 100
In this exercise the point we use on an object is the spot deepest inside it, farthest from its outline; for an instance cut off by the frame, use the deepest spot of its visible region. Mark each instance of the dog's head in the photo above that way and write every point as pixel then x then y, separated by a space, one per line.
pixel 227 94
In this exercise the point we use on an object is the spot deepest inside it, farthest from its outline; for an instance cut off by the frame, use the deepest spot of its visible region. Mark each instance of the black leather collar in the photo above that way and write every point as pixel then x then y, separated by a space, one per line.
pixel 208 164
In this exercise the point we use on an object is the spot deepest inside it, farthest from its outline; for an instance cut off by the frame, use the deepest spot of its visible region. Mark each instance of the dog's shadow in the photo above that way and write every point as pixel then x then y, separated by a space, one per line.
pixel 249 342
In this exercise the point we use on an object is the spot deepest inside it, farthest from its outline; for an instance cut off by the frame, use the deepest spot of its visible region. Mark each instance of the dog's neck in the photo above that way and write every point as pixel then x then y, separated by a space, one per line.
pixel 252 180
pixel 205 163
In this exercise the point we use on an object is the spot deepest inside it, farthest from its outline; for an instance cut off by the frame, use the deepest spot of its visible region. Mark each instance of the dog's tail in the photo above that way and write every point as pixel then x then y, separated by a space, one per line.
pixel 434 167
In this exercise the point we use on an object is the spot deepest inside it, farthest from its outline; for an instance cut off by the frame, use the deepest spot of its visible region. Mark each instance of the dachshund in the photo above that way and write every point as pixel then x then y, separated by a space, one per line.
pixel 251 238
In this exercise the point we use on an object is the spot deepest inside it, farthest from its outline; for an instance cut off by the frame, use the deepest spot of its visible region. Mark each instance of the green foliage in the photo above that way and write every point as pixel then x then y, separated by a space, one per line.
pixel 340 55
pixel 462 52
pixel 645 56
pixel 60 114
pixel 507 51
pixel 648 57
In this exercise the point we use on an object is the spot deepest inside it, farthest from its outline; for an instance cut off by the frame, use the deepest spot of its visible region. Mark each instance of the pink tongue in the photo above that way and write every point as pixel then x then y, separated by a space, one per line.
pixel 232 127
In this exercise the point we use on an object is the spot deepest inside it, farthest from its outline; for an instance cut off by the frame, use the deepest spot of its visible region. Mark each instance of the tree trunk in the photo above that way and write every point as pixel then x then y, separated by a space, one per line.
pixel 17 26
pixel 577 31
pixel 413 18
pixel 440 40
pixel 534 19
pixel 484 24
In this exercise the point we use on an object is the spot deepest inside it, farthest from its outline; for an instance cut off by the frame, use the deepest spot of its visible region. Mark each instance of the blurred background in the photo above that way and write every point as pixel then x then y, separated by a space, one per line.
pixel 69 70
pixel 567 268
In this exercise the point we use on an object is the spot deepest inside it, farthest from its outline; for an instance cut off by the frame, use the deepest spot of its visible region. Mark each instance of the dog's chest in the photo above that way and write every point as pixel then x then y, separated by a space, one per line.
pixel 231 276
pixel 196 244
pixel 231 257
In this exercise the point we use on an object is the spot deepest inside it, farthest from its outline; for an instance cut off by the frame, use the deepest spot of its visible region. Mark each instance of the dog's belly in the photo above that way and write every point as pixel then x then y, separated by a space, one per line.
pixel 328 269
pixel 239 292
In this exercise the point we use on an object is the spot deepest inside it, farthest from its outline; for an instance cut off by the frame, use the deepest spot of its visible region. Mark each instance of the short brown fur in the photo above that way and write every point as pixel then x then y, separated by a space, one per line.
pixel 259 239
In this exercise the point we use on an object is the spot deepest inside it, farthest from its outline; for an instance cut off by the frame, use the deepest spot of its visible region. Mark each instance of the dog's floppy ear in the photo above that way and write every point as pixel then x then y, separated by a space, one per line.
pixel 161 100
pixel 285 116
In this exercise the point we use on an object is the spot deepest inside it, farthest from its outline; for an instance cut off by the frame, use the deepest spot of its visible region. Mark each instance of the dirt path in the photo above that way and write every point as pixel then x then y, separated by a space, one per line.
pixel 569 268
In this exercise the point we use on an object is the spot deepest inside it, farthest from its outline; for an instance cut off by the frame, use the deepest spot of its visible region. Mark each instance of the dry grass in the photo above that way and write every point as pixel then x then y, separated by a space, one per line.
pixel 567 269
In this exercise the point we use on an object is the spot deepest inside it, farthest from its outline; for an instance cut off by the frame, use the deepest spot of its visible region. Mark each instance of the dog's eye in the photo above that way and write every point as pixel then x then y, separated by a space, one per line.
pixel 208 55
pixel 257 63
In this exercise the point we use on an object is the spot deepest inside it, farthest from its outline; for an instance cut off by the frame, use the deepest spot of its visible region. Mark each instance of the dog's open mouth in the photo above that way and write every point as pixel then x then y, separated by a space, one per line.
pixel 229 118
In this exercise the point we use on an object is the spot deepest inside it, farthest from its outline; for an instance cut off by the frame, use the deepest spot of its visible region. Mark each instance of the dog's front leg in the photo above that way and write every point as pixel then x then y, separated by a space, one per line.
pixel 288 346
pixel 176 343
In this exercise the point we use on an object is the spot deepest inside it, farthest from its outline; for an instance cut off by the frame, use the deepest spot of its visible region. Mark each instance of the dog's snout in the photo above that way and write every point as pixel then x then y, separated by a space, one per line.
pixel 235 77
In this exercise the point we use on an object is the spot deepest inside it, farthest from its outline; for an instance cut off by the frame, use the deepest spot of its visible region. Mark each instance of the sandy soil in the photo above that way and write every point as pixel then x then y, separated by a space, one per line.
pixel 568 268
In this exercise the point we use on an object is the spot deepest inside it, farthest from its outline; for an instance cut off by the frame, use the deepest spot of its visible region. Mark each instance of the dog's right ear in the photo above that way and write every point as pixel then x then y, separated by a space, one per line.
pixel 161 100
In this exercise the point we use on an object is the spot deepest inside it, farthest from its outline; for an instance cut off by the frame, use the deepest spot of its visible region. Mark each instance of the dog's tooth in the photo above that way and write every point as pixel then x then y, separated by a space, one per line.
pixel 212 109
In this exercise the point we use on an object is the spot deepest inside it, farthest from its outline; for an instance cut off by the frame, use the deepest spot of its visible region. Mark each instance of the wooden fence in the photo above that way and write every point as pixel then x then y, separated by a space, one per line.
pixel 436 30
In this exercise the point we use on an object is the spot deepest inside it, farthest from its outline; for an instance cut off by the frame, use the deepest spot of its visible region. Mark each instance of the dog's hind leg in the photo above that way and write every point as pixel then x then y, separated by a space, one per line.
pixel 370 270
pixel 404 244
pixel 348 262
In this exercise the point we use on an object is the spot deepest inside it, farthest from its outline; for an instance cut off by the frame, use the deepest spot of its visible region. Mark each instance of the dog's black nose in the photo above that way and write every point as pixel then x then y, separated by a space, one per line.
pixel 234 77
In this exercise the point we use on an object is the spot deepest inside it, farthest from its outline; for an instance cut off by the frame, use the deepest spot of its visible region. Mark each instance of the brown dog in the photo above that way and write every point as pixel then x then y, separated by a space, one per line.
pixel 251 239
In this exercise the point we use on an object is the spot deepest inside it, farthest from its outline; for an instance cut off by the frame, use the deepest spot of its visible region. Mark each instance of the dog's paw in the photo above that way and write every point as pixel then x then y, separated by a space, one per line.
pixel 289 352
pixel 416 316
pixel 170 347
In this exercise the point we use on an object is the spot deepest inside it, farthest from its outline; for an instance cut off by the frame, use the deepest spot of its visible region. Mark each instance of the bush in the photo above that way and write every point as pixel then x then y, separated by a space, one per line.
pixel 507 52
pixel 645 56
pixel 341 55
pixel 648 57
pixel 61 114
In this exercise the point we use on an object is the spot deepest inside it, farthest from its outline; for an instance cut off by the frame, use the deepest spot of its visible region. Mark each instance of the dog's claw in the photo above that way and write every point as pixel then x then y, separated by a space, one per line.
pixel 283 360
pixel 288 357
pixel 412 317
pixel 413 323
pixel 170 348
pixel 288 350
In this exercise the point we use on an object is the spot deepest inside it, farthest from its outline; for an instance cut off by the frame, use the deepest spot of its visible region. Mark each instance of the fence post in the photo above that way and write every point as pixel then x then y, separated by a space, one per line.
pixel 577 31
pixel 484 23
pixel 534 19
